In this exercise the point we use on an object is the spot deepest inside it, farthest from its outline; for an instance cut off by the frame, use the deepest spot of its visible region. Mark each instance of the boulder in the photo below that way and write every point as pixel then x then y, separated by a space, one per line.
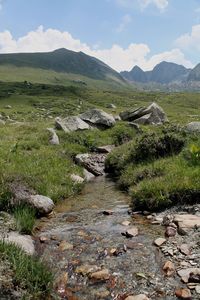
pixel 23 241
pixel 105 149
pixel 54 140
pixel 187 221
pixel 42 204
pixel 98 117
pixel 87 175
pixel 153 114
pixel 72 123
pixel 93 163
pixel 193 127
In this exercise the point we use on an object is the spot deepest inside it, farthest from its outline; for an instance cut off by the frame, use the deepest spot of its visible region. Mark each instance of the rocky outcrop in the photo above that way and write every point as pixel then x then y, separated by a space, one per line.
pixel 193 127
pixel 153 114
pixel 93 163
pixel 98 117
pixel 72 123
pixel 54 140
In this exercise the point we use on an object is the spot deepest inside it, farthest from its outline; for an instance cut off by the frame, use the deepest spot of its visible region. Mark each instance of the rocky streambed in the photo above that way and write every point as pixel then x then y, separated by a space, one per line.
pixel 99 250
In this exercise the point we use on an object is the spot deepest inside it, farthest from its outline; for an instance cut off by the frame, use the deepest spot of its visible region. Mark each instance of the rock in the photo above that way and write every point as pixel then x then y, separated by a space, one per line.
pixel 100 275
pixel 88 176
pixel 102 294
pixel 43 239
pixel 170 231
pixel 133 245
pixel 72 123
pixel 65 246
pixel 183 294
pixel 197 289
pixel 184 249
pixel 76 178
pixel 187 221
pixel 153 114
pixel 54 140
pixel 160 241
pixel 105 149
pixel 42 204
pixel 107 212
pixel 110 105
pixel 137 297
pixel 132 232
pixel 167 219
pixel 93 163
pixel 134 125
pixel 61 283
pixel 86 269
pixel 23 241
pixel 98 117
pixel 117 118
pixel 126 223
pixel 185 273
pixel 193 127
pixel 169 268
pixel 2 122
pixel 8 106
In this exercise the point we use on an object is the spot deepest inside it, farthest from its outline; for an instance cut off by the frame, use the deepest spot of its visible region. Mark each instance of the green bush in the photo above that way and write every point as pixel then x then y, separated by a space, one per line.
pixel 122 133
pixel 193 154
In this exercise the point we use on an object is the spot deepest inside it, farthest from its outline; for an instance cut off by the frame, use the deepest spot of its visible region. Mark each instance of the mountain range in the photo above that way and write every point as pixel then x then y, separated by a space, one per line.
pixel 163 73
pixel 62 65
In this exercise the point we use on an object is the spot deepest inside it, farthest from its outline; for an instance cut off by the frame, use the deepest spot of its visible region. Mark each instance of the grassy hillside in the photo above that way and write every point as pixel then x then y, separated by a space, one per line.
pixel 64 61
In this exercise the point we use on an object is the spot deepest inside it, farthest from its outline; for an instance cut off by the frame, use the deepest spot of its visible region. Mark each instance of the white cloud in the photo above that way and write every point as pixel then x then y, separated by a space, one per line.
pixel 190 40
pixel 124 22
pixel 117 57
pixel 160 4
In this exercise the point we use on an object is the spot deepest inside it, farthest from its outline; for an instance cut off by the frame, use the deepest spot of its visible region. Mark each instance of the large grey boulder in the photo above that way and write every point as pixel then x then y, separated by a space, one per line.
pixel 72 123
pixel 153 114
pixel 93 163
pixel 98 117
pixel 193 127
pixel 54 139
pixel 25 242
pixel 42 204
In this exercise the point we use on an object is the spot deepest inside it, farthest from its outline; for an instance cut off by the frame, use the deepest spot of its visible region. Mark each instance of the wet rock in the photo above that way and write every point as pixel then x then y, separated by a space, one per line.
pixel 93 163
pixel 137 297
pixel 126 223
pixel 184 249
pixel 187 221
pixel 76 178
pixel 170 231
pixel 101 275
pixel 43 239
pixel 23 241
pixel 169 268
pixel 86 269
pixel 54 139
pixel 88 176
pixel 98 117
pixel 185 273
pixel 72 123
pixel 160 241
pixel 167 219
pixel 183 294
pixel 107 212
pixel 65 246
pixel 133 245
pixel 132 232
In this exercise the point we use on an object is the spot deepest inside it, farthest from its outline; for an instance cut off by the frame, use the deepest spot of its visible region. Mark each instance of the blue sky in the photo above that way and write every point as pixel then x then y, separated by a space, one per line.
pixel 122 33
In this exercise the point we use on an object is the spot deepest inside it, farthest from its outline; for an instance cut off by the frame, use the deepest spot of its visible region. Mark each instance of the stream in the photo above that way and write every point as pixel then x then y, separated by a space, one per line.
pixel 85 235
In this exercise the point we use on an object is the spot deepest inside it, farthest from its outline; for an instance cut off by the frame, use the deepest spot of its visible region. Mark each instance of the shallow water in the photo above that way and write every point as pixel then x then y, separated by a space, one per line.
pixel 137 267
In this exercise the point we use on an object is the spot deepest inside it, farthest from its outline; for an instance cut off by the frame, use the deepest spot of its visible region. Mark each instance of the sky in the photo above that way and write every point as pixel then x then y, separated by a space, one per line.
pixel 122 33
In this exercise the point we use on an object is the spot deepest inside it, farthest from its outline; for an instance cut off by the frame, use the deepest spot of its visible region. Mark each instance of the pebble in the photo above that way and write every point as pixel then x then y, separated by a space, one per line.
pixel 183 293
pixel 65 246
pixel 170 231
pixel 184 249
pixel 132 232
pixel 126 223
pixel 197 289
pixel 169 268
pixel 100 275
pixel 160 241
pixel 137 297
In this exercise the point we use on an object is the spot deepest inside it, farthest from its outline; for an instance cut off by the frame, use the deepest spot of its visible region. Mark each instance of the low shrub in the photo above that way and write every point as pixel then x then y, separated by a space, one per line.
pixel 25 218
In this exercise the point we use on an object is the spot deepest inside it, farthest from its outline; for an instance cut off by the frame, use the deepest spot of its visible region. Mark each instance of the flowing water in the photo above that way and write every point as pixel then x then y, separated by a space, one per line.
pixel 135 266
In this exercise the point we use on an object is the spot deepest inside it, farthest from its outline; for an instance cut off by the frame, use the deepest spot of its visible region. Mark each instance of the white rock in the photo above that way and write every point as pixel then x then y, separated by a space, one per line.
pixel 42 204
pixel 23 241
pixel 76 178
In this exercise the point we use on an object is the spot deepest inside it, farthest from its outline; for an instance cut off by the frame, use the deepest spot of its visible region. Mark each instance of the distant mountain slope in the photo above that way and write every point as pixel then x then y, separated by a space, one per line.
pixel 65 61
pixel 163 73
pixel 194 74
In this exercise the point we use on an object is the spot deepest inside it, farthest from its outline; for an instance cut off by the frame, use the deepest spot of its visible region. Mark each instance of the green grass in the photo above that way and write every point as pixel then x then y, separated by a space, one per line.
pixel 157 180
pixel 30 274
pixel 25 218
